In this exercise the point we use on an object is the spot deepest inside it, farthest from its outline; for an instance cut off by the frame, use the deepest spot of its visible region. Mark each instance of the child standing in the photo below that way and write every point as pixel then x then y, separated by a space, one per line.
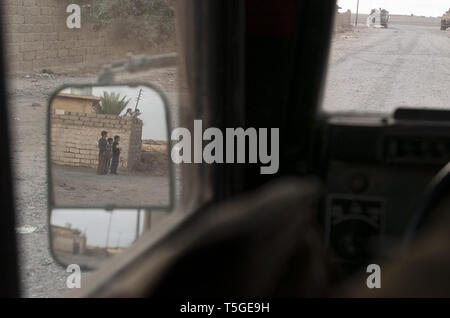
pixel 115 155
pixel 102 142
pixel 108 154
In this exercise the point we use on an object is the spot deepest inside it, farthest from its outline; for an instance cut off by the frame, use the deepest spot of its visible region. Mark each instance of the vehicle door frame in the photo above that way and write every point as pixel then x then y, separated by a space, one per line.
pixel 9 269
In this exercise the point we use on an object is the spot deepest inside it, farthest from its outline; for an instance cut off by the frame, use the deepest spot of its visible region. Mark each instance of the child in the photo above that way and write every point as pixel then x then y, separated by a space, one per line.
pixel 129 113
pixel 137 113
pixel 115 155
pixel 108 154
pixel 101 152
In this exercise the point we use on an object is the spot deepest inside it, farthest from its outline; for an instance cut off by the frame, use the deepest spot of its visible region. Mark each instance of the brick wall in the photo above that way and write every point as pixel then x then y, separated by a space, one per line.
pixel 74 139
pixel 37 38
pixel 342 21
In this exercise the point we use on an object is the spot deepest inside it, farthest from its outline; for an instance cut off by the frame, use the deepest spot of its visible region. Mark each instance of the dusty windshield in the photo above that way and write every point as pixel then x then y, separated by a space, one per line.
pixel 389 54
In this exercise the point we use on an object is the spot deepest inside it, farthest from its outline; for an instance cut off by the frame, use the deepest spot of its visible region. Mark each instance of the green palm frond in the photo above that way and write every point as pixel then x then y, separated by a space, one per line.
pixel 112 104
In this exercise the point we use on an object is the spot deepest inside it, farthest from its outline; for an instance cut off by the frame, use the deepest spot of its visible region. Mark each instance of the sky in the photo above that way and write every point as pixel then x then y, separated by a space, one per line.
pixel 94 223
pixel 151 106
pixel 434 8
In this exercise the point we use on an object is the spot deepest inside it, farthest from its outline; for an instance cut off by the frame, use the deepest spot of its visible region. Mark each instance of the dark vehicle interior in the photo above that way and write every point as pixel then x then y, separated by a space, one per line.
pixel 352 189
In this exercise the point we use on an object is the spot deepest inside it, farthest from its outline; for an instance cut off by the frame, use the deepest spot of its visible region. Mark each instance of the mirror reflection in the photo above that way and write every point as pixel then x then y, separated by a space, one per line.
pixel 89 237
pixel 108 147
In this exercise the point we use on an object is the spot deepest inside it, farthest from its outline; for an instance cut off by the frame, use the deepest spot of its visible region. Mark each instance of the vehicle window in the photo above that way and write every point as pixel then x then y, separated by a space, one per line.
pixel 50 43
pixel 388 54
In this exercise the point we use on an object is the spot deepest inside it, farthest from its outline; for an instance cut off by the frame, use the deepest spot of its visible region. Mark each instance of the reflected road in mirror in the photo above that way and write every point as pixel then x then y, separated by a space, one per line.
pixel 89 237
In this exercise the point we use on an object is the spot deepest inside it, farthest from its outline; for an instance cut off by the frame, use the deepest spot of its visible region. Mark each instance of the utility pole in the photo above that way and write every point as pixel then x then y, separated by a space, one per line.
pixel 118 240
pixel 138 224
pixel 138 99
pixel 357 12
pixel 109 229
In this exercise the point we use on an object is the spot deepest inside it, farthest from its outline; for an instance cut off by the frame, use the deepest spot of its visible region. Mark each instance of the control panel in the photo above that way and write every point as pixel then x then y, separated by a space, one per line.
pixel 377 170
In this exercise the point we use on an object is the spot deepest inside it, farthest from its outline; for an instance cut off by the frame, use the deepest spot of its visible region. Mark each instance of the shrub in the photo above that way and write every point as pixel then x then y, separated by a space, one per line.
pixel 112 104
pixel 102 12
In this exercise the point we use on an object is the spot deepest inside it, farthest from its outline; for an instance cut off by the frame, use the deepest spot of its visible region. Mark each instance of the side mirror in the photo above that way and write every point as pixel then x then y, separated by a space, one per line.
pixel 108 168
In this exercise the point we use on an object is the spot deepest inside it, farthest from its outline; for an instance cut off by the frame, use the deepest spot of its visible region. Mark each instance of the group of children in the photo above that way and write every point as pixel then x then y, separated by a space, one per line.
pixel 109 154
pixel 132 114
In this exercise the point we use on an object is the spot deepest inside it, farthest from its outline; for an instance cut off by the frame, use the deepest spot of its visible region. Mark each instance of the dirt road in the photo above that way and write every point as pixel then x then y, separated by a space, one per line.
pixel 378 70
pixel 73 186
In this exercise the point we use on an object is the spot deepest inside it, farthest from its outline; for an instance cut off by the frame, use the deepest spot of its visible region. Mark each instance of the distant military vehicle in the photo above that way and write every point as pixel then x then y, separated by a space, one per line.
pixel 378 18
pixel 445 22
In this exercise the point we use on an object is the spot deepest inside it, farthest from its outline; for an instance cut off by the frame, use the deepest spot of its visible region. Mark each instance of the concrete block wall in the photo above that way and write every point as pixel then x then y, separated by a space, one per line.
pixel 74 139
pixel 37 38
pixel 342 20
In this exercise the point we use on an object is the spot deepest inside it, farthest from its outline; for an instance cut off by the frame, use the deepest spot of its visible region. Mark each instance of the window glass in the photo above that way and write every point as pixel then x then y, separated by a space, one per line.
pixel 54 42
pixel 391 54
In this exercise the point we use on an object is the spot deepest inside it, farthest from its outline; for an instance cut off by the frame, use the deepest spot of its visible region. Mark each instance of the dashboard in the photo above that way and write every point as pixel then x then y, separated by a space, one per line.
pixel 377 170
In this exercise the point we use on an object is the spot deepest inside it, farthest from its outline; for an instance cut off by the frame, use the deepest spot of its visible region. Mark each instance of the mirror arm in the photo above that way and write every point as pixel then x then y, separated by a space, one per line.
pixel 134 64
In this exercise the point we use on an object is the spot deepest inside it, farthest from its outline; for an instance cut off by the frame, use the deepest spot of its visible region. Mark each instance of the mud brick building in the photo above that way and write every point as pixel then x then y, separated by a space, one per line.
pixel 74 138
pixel 75 103
pixel 65 239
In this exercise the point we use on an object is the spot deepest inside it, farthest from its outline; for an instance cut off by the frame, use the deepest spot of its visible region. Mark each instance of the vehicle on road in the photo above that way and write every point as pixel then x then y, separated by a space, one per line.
pixel 445 22
pixel 378 18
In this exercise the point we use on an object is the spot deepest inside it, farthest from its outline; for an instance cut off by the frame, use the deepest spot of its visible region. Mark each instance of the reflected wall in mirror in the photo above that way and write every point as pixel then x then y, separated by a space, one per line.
pixel 89 237
pixel 109 148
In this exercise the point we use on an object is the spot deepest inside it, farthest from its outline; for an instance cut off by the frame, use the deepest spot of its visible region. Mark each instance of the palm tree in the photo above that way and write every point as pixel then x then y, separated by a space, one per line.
pixel 112 104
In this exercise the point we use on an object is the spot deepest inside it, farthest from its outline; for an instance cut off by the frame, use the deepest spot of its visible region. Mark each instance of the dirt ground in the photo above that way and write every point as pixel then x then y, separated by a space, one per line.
pixel 154 158
pixel 379 70
pixel 73 186
pixel 40 276
pixel 401 19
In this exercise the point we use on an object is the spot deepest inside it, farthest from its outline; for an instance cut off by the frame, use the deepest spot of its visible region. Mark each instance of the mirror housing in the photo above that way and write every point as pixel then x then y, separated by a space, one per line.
pixel 107 155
